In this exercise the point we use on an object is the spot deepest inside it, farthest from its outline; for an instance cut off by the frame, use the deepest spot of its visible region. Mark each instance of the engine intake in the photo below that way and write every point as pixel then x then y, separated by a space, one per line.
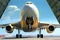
pixel 50 29
pixel 9 29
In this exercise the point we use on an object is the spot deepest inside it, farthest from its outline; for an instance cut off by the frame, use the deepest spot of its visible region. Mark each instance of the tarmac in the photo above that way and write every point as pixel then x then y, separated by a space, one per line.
pixel 32 38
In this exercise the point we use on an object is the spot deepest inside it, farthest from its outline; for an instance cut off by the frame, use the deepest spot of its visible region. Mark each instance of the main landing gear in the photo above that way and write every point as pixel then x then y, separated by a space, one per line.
pixel 18 35
pixel 40 35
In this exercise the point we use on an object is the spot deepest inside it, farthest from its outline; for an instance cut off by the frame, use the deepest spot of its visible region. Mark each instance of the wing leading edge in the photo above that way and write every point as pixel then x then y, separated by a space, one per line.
pixel 3 5
pixel 16 25
pixel 55 6
pixel 44 25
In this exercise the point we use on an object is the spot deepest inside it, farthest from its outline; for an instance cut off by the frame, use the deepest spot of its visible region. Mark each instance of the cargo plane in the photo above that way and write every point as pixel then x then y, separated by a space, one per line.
pixel 29 22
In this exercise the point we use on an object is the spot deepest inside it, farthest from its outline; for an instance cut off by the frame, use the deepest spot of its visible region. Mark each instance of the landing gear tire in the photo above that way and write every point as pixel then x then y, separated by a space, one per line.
pixel 41 36
pixel 38 36
pixel 18 36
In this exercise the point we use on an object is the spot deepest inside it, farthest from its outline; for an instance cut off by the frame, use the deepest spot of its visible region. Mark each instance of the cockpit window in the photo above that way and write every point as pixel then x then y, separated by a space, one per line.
pixel 29 3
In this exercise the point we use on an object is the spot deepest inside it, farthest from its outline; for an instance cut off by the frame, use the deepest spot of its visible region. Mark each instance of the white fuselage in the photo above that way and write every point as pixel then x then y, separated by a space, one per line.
pixel 29 11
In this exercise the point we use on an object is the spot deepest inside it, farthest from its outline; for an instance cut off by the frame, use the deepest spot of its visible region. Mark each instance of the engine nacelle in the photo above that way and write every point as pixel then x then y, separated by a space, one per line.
pixel 9 28
pixel 50 28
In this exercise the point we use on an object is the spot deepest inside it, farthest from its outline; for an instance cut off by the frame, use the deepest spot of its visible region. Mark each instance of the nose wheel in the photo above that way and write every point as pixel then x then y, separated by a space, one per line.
pixel 40 35
pixel 18 35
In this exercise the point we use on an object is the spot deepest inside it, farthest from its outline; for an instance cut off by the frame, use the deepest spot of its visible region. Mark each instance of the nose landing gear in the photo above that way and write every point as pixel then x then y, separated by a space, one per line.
pixel 29 22
pixel 29 27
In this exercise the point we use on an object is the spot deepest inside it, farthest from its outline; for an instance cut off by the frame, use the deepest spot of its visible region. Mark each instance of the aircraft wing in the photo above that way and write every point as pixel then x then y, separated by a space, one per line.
pixel 55 6
pixel 44 25
pixel 16 25
pixel 3 5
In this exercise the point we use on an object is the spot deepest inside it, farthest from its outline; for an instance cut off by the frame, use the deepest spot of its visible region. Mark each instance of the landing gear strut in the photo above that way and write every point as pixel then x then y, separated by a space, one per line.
pixel 18 35
pixel 29 27
pixel 40 35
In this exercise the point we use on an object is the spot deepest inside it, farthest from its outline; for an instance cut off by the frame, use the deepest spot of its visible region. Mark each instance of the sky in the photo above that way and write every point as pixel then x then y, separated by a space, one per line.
pixel 12 14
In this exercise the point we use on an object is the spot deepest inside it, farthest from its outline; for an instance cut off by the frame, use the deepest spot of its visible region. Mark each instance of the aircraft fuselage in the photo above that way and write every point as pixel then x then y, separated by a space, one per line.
pixel 29 17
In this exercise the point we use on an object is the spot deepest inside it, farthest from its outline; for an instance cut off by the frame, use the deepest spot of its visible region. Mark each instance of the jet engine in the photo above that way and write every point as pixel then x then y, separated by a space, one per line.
pixel 50 28
pixel 9 28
